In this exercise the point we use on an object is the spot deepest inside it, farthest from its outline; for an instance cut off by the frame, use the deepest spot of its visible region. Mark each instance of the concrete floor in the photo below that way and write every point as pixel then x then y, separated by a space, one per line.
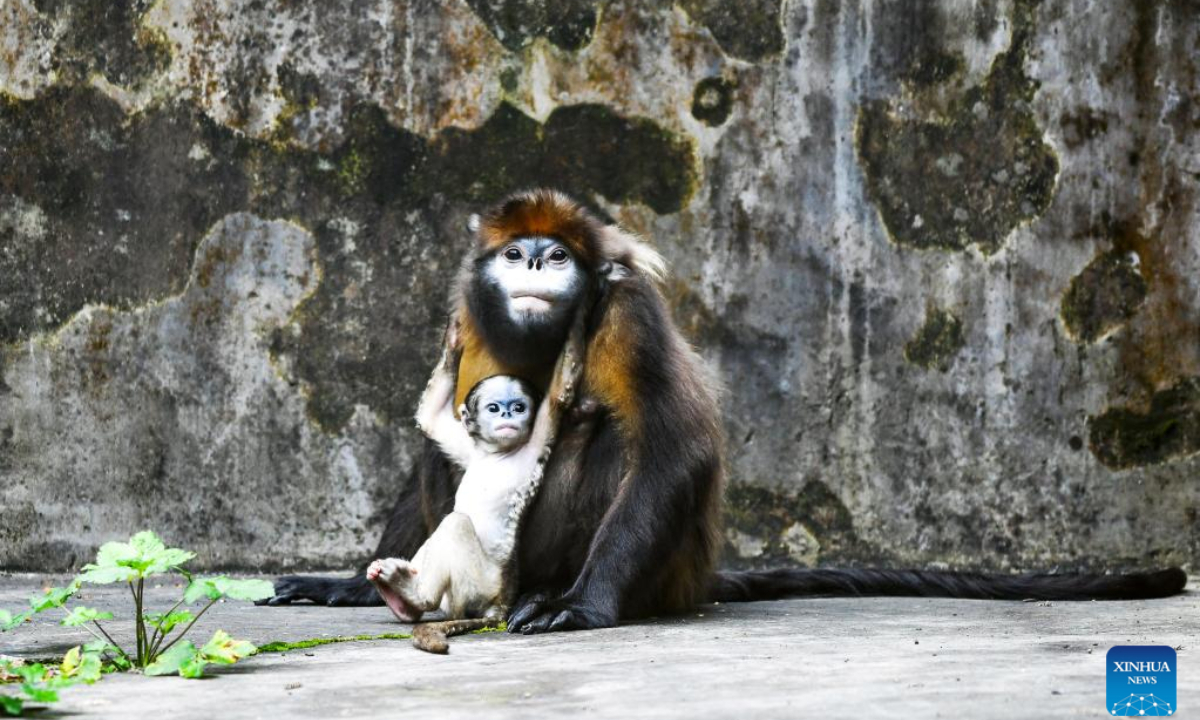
pixel 868 657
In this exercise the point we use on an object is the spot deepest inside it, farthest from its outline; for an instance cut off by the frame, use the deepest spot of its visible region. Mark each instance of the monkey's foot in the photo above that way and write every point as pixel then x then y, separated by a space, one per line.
pixel 538 613
pixel 393 578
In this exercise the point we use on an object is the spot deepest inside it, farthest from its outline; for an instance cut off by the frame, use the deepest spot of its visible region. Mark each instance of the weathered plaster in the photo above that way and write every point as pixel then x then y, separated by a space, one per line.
pixel 1002 386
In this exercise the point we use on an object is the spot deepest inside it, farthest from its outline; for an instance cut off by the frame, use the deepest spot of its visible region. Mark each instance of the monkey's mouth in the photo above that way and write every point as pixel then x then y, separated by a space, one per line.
pixel 507 430
pixel 536 302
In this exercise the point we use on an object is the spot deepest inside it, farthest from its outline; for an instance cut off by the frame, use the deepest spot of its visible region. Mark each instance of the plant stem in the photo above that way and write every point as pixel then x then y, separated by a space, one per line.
pixel 110 640
pixel 103 632
pixel 189 625
pixel 85 627
pixel 159 635
pixel 139 623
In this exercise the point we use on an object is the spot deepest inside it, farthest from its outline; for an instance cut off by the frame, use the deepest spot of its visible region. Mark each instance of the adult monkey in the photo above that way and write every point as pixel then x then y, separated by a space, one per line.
pixel 627 520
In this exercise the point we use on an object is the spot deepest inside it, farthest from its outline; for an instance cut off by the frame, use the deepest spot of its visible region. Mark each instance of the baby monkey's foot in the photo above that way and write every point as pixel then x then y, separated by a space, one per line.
pixel 394 578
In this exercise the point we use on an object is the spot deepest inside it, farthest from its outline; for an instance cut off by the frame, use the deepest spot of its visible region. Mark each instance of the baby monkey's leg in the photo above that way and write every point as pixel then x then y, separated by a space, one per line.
pixel 451 563
pixel 390 577
pixel 455 566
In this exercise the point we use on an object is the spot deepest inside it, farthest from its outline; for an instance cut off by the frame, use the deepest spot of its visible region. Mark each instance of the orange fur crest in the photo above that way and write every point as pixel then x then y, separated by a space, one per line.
pixel 543 213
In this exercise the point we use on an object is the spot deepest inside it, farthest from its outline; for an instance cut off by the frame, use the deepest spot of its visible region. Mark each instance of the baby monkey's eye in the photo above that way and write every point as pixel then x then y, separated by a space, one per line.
pixel 558 255
pixel 493 408
pixel 512 254
pixel 519 407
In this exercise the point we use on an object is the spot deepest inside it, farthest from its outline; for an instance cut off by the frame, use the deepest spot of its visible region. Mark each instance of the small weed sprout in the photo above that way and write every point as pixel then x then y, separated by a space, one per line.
pixel 159 646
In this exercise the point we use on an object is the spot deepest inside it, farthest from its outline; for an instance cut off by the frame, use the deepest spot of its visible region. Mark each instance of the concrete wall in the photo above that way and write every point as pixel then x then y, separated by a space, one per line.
pixel 944 255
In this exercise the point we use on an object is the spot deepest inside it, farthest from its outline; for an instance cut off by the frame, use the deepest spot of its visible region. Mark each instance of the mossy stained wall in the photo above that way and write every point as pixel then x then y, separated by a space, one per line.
pixel 943 256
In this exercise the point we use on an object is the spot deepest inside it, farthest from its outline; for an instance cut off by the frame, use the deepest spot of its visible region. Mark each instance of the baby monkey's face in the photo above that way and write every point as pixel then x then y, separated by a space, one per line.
pixel 502 413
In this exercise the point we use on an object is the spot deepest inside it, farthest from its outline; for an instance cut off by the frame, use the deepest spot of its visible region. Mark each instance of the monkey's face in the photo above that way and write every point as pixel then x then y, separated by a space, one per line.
pixel 522 296
pixel 499 413
pixel 538 276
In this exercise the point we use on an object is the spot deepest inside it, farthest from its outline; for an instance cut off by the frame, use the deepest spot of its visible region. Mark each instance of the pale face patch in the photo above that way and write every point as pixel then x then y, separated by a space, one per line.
pixel 535 273
pixel 503 412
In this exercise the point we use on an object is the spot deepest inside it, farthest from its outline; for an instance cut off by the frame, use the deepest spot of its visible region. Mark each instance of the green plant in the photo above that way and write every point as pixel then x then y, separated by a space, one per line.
pixel 40 684
pixel 159 647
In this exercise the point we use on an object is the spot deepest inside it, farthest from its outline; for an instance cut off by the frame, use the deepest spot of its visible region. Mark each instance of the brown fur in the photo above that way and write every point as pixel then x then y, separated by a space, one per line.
pixel 681 564
pixel 549 213
pixel 432 636
pixel 543 213
pixel 477 364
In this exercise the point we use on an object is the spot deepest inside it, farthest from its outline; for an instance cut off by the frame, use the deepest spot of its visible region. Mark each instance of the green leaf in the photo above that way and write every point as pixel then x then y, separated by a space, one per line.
pixel 143 555
pixel 83 615
pixel 70 661
pixel 58 683
pixel 225 650
pixel 172 660
pixel 201 588
pixel 8 621
pixel 33 673
pixel 37 694
pixel 166 622
pixel 98 646
pixel 147 543
pixel 97 575
pixel 249 589
pixel 12 705
pixel 81 666
pixel 117 659
pixel 160 557
pixel 219 586
pixel 193 668
pixel 112 554
pixel 54 597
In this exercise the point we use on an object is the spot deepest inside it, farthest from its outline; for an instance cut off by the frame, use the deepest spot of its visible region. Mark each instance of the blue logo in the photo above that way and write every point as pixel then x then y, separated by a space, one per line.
pixel 1141 680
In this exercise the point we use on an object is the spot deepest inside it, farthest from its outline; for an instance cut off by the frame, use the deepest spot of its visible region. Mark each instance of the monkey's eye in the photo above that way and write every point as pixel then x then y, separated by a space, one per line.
pixel 493 408
pixel 518 407
pixel 512 254
pixel 558 256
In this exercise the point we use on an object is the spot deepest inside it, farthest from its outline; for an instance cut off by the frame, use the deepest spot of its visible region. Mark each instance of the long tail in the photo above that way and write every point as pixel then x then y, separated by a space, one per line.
pixel 775 584
pixel 432 636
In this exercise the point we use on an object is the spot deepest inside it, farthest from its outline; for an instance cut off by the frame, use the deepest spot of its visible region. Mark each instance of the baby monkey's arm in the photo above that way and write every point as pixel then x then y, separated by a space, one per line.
pixel 435 415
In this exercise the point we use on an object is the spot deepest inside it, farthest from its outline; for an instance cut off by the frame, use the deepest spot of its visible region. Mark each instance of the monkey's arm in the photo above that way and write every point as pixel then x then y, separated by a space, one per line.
pixel 436 418
pixel 435 414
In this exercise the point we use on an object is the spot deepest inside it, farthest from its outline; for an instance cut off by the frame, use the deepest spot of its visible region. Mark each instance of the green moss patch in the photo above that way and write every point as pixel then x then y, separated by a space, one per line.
pixel 778 523
pixel 746 29
pixel 279 646
pixel 106 37
pixel 569 24
pixel 1103 297
pixel 937 342
pixel 970 175
pixel 1170 428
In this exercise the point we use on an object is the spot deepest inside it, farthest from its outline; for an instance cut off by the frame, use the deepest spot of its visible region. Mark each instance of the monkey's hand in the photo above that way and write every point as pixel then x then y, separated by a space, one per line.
pixel 452 340
pixel 568 371
pixel 537 613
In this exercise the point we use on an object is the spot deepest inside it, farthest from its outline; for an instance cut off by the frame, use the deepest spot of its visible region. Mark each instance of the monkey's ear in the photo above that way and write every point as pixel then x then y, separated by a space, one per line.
pixel 463 413
pixel 473 223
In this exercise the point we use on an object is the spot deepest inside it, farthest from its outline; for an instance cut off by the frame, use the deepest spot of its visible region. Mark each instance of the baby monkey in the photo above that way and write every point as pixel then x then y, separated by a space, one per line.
pixel 503 443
